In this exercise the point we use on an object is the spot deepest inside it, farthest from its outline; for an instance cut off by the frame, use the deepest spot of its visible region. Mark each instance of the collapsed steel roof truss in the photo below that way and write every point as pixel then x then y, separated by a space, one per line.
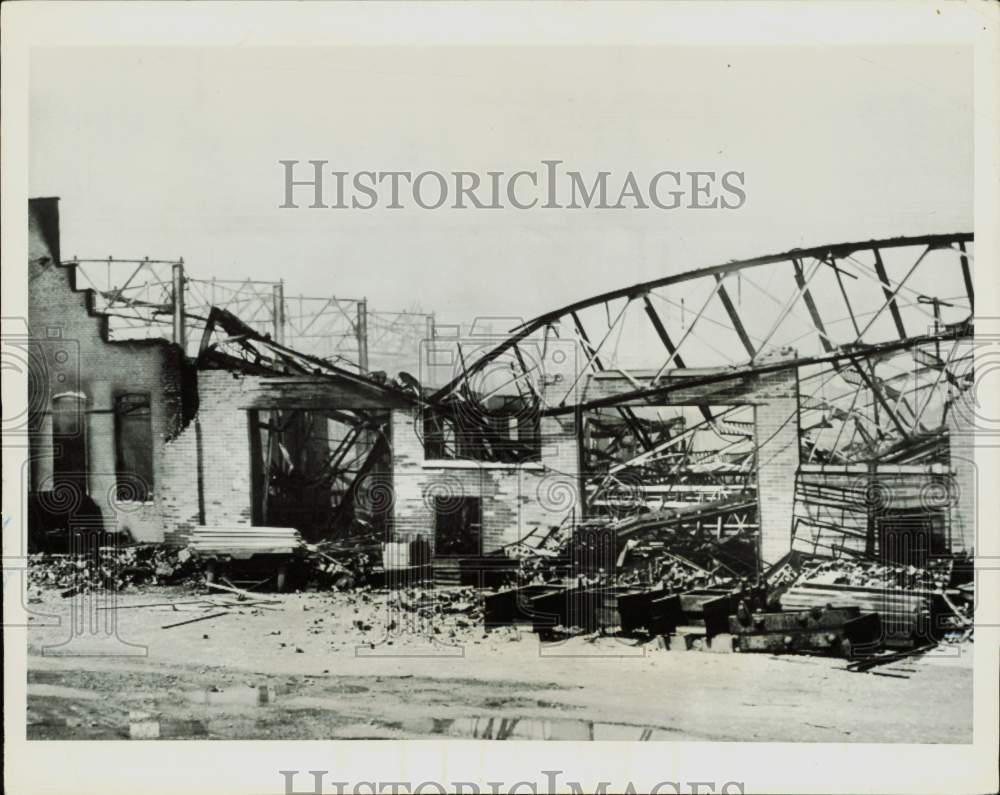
pixel 870 318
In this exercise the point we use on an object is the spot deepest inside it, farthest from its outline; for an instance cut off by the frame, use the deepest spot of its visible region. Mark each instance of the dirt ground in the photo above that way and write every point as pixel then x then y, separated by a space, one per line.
pixel 341 665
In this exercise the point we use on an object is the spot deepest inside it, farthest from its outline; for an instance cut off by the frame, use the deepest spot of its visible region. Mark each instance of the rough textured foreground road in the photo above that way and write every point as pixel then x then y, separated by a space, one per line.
pixel 320 666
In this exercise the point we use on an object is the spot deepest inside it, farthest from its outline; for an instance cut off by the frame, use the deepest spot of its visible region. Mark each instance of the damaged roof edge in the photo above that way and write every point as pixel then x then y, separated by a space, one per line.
pixel 296 361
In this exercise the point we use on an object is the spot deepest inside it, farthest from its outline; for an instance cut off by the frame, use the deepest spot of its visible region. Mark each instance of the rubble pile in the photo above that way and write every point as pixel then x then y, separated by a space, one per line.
pixel 112 568
pixel 734 556
pixel 929 603
pixel 669 586
pixel 542 556
pixel 430 603
pixel 611 551
pixel 341 566
pixel 872 574
pixel 445 614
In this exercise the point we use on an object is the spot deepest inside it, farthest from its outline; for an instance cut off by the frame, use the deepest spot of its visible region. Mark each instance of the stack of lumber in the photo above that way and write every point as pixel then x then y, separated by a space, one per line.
pixel 243 541
pixel 905 614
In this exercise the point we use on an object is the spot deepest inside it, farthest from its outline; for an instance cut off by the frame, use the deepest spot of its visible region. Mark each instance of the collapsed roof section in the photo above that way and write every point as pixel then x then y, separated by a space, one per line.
pixel 228 342
pixel 320 450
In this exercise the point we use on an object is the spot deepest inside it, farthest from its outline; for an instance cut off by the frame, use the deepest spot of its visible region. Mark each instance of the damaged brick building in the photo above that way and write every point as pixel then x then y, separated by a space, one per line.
pixel 251 432
pixel 507 439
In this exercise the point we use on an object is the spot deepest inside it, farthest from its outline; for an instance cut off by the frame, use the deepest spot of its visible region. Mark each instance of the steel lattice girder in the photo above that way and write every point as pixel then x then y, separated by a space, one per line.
pixel 137 298
pixel 876 330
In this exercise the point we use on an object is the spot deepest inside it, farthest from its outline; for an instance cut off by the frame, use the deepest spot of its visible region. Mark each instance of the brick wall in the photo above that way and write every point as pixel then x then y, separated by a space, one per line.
pixel 965 476
pixel 776 434
pixel 225 446
pixel 180 494
pixel 60 316
pixel 516 499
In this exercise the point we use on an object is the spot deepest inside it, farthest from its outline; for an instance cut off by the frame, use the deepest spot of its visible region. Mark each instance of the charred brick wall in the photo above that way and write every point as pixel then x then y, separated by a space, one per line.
pixel 181 494
pixel 61 314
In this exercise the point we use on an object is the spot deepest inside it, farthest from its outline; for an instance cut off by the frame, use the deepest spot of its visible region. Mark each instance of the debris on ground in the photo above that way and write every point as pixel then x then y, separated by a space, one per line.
pixel 343 564
pixel 668 586
pixel 112 568
pixel 872 574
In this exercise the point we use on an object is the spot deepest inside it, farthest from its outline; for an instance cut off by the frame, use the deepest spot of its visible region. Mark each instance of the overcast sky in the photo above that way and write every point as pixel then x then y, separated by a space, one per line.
pixel 173 152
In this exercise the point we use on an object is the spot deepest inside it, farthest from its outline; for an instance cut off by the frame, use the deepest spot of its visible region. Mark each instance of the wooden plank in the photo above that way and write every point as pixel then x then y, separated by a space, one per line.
pixel 240 592
pixel 193 620
pixel 156 604
pixel 865 665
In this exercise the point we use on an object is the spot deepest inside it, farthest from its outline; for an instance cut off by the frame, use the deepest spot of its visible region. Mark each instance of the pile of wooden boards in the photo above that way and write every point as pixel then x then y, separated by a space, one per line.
pixel 243 541
pixel 907 616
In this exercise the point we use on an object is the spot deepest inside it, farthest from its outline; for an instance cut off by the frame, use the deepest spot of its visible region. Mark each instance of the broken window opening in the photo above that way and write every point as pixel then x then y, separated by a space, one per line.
pixel 133 447
pixel 324 473
pixel 507 431
pixel 69 442
pixel 458 524
pixel 912 536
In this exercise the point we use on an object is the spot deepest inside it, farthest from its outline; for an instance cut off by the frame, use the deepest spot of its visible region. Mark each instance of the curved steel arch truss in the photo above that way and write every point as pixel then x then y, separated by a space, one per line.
pixel 874 329
pixel 874 338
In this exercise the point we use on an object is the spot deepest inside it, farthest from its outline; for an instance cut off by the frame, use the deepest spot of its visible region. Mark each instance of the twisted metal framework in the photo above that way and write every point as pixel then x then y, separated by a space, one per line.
pixel 321 470
pixel 138 298
pixel 880 317
pixel 875 332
